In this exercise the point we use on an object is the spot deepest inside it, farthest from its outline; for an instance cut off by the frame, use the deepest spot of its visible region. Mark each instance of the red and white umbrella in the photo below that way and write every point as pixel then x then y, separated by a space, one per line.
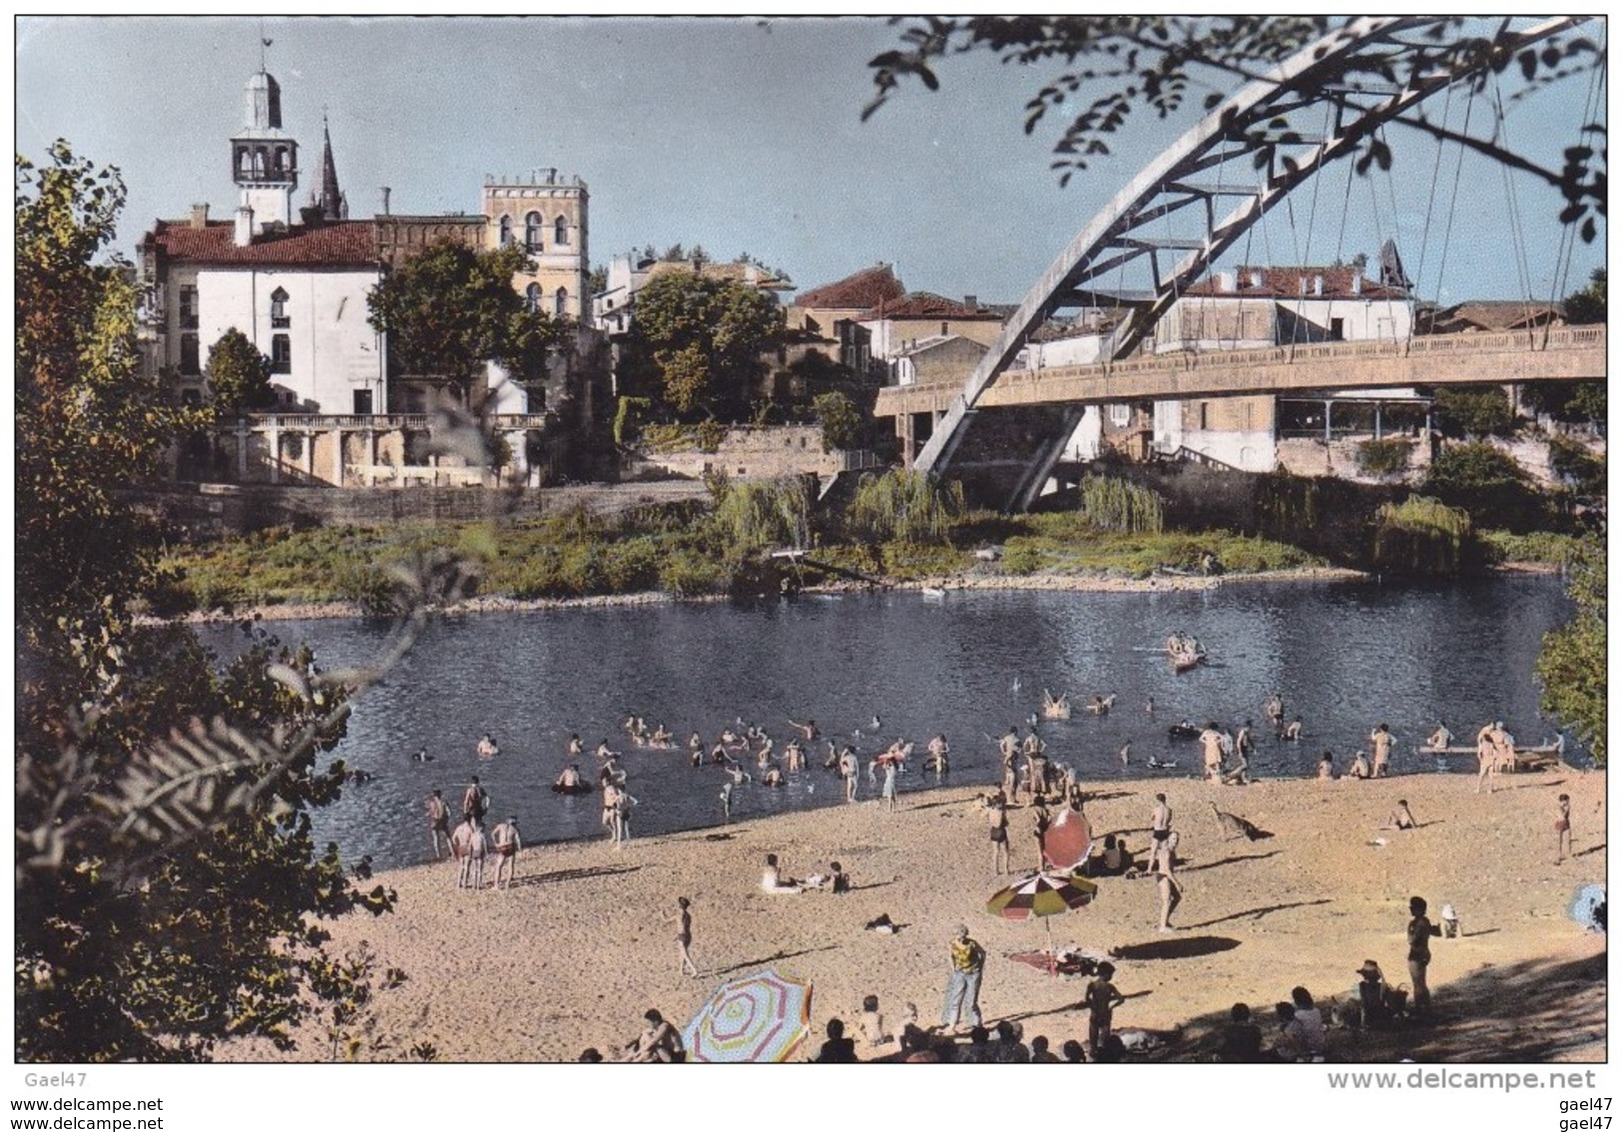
pixel 1041 896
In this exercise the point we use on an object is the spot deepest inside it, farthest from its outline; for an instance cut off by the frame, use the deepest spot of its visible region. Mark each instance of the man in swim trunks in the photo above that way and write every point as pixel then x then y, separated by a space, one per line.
pixel 997 817
pixel 475 800
pixel 1160 828
pixel 507 844
pixel 569 780
pixel 439 822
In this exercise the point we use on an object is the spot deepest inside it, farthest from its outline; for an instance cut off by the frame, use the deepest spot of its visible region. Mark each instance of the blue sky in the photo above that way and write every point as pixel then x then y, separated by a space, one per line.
pixel 736 134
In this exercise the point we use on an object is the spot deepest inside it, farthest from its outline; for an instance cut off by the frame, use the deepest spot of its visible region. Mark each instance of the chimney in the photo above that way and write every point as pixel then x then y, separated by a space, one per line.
pixel 1255 278
pixel 244 229
pixel 1357 282
pixel 199 215
pixel 1226 282
pixel 972 302
pixel 1317 284
pixel 385 200
pixel 311 216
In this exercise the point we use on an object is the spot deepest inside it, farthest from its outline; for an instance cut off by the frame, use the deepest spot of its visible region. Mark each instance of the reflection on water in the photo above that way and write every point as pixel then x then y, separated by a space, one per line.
pixel 1344 656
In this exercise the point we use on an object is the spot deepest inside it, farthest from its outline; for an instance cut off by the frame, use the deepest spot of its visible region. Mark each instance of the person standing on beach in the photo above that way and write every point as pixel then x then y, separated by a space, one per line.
pixel 439 822
pixel 1101 998
pixel 683 919
pixel 1211 752
pixel 1420 931
pixel 1486 758
pixel 1160 826
pixel 1380 738
pixel 507 843
pixel 1562 828
pixel 963 985
pixel 472 872
pixel 461 842
pixel 997 818
pixel 1171 892
pixel 887 791
pixel 849 770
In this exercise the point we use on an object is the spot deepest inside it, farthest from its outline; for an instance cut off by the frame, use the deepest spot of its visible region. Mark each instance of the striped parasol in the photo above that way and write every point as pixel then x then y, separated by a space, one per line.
pixel 1042 895
pixel 760 1017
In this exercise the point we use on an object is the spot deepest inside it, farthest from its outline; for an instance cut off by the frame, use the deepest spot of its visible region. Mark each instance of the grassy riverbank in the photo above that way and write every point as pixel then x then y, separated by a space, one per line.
pixel 682 550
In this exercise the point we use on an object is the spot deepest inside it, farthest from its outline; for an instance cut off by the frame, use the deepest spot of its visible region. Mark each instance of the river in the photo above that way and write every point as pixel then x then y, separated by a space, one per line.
pixel 1345 656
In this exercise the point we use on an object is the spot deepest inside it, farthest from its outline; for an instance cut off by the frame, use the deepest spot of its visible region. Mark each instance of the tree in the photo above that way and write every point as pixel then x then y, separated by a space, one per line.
pixel 704 337
pixel 1474 411
pixel 168 891
pixel 1572 663
pixel 1110 66
pixel 449 309
pixel 238 375
pixel 1488 484
pixel 843 425
pixel 1587 306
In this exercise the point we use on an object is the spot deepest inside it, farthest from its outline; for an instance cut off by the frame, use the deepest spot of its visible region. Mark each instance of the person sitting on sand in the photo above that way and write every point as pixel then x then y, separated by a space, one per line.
pixel 507 843
pixel 1040 1053
pixel 1008 1049
pixel 773 881
pixel 1241 1038
pixel 1401 817
pixel 872 1023
pixel 1073 1052
pixel 1116 858
pixel 1304 1037
pixel 1374 996
pixel 838 1049
pixel 1440 739
pixel 1326 767
pixel 1360 767
pixel 659 1041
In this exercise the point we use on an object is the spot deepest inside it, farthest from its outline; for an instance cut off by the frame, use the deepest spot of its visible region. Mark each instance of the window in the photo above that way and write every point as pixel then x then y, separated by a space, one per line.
pixel 1120 415
pixel 189 366
pixel 532 298
pixel 532 231
pixel 278 309
pixel 281 353
pixel 560 230
pixel 944 328
pixel 506 231
pixel 560 301
pixel 283 166
pixel 1337 330
pixel 363 402
pixel 188 308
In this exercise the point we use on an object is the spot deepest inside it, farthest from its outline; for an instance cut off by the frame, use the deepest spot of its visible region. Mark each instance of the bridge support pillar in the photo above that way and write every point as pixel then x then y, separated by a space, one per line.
pixel 905 433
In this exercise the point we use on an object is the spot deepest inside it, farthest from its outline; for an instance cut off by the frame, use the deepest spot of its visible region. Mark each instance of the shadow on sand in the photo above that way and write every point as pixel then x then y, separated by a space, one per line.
pixel 1258 913
pixel 575 874
pixel 1531 1012
pixel 771 959
pixel 1176 947
pixel 1231 861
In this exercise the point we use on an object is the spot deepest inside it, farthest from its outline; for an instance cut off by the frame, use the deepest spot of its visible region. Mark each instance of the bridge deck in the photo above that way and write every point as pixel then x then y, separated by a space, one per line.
pixel 1570 354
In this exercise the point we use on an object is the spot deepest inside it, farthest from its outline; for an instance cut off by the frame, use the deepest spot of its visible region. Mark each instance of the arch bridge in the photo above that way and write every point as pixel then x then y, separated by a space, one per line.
pixel 1190 205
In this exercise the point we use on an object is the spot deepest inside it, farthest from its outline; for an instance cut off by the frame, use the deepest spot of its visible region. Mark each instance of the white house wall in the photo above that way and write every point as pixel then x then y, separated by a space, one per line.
pixel 334 351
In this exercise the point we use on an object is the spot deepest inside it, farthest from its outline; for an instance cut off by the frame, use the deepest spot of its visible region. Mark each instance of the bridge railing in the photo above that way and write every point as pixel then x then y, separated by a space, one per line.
pixel 1574 337
pixel 321 422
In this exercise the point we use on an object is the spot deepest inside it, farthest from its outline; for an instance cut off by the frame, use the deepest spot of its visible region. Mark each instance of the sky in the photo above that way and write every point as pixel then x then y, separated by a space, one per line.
pixel 736 134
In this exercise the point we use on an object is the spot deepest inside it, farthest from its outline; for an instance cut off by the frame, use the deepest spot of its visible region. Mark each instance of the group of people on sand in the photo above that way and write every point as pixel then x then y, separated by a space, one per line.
pixel 468 844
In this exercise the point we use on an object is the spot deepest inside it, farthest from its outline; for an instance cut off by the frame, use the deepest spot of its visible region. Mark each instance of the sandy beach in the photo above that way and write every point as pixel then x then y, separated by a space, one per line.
pixel 579 947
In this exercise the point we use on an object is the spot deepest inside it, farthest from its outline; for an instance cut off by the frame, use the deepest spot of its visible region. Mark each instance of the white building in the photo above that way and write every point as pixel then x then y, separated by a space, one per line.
pixel 296 287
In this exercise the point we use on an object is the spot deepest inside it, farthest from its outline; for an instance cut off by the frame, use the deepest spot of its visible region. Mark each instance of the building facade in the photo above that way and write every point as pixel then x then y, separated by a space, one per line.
pixel 546 215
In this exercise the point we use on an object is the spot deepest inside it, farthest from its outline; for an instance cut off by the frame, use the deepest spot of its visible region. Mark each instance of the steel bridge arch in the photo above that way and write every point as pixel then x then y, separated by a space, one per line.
pixel 1329 73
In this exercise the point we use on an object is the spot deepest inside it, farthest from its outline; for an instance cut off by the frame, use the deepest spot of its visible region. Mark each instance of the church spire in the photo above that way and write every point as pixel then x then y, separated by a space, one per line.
pixel 333 206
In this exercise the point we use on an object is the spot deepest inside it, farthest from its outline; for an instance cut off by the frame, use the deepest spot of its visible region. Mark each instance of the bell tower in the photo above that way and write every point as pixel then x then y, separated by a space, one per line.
pixel 264 157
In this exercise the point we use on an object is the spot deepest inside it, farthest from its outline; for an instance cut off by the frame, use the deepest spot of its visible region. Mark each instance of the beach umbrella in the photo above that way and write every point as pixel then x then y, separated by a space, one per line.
pixel 1042 896
pixel 760 1017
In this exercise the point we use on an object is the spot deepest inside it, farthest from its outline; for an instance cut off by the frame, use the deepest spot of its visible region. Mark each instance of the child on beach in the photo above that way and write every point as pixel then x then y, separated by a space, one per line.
pixel 1562 828
pixel 1101 998
pixel 872 1022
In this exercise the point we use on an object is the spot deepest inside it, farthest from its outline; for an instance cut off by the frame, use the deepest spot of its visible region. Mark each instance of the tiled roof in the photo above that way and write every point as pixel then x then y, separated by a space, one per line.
pixel 350 243
pixel 855 292
pixel 1285 283
pixel 1491 314
pixel 923 304
pixel 735 272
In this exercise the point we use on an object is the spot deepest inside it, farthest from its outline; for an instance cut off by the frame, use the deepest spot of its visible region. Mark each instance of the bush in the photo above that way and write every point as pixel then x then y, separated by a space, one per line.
pixel 843 425
pixel 1421 536
pixel 907 507
pixel 1383 458
pixel 1115 505
pixel 686 573
pixel 1575 464
pixel 752 515
pixel 1487 483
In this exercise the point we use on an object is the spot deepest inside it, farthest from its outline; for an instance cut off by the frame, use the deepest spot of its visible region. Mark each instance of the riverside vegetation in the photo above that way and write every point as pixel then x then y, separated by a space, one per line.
pixel 898 528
